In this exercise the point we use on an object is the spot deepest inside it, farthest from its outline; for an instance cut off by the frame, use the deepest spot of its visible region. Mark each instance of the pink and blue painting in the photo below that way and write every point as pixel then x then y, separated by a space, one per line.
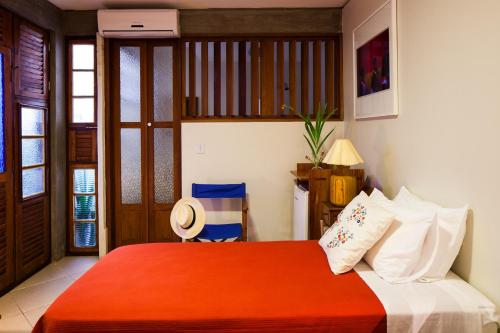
pixel 373 74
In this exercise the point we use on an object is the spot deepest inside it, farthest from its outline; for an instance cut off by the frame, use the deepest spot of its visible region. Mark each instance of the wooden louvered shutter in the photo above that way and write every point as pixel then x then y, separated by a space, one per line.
pixel 31 61
pixel 33 239
pixel 5 28
pixel 6 178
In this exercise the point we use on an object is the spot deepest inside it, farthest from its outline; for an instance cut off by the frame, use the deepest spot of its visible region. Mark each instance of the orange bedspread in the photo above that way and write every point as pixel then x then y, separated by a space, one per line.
pixel 215 287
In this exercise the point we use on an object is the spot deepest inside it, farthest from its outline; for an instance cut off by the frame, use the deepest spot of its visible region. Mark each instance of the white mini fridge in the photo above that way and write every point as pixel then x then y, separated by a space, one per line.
pixel 300 213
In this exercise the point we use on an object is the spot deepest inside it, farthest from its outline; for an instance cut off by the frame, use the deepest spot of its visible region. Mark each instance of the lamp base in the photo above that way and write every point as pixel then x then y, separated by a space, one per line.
pixel 343 189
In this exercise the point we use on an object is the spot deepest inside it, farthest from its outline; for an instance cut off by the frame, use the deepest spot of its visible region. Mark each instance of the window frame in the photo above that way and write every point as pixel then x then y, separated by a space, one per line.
pixel 46 163
pixel 69 80
pixel 73 164
pixel 71 217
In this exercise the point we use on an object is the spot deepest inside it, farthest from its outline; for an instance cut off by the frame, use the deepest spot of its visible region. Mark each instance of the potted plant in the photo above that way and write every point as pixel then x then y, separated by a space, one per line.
pixel 313 133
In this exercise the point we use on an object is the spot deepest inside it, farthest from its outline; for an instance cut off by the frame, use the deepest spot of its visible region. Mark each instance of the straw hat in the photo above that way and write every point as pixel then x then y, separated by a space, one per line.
pixel 187 218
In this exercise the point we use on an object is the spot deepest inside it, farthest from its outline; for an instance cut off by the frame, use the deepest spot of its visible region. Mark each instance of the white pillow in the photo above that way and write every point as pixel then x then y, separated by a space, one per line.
pixel 396 254
pixel 358 227
pixel 443 243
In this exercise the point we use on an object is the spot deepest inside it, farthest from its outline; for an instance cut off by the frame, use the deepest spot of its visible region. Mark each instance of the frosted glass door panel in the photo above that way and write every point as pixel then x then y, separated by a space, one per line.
pixel 131 173
pixel 33 181
pixel 32 123
pixel 163 82
pixel 164 165
pixel 32 152
pixel 130 84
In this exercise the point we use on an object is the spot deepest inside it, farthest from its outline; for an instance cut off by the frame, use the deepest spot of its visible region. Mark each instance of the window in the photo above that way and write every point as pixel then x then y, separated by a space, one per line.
pixel 33 142
pixel 83 207
pixel 82 146
pixel 228 78
pixel 82 78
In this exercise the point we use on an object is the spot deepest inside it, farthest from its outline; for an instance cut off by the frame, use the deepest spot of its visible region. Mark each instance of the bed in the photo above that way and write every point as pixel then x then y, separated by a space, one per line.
pixel 231 287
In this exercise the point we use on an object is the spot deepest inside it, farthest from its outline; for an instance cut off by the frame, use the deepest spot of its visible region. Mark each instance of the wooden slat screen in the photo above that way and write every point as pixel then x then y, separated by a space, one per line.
pixel 31 60
pixel 251 78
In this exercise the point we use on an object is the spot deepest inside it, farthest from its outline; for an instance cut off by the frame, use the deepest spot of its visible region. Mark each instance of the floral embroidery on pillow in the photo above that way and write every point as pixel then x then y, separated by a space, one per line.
pixel 358 214
pixel 343 235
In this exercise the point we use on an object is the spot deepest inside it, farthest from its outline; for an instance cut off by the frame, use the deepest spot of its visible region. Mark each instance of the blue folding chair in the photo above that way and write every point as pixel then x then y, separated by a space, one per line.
pixel 223 232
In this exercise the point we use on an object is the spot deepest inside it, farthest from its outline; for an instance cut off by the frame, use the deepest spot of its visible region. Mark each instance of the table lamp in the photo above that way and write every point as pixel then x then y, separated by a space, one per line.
pixel 343 187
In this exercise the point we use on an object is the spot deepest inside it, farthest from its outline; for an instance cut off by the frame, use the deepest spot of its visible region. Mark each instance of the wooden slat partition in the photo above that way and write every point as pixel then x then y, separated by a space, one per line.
pixel 183 82
pixel 267 78
pixel 217 80
pixel 242 78
pixel 255 77
pixel 329 75
pixel 229 78
pixel 275 77
pixel 292 85
pixel 192 80
pixel 338 77
pixel 280 73
pixel 304 77
pixel 204 79
pixel 316 75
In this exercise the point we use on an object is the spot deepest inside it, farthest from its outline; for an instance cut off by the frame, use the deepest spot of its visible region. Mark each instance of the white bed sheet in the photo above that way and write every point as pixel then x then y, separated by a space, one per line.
pixel 449 305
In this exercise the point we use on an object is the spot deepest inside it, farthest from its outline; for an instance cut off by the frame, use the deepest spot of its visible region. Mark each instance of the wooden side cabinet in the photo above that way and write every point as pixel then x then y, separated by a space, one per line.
pixel 329 214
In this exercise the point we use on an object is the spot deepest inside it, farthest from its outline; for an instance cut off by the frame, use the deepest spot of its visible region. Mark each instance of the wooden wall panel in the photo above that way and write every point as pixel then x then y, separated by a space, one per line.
pixel 280 76
pixel 242 78
pixel 229 78
pixel 267 78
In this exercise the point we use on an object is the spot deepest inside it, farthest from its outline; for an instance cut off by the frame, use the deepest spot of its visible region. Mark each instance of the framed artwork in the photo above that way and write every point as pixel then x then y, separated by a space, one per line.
pixel 375 65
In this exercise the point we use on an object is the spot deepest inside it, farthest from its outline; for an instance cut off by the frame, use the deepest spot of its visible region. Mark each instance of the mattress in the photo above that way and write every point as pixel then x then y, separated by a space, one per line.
pixel 449 305
pixel 216 287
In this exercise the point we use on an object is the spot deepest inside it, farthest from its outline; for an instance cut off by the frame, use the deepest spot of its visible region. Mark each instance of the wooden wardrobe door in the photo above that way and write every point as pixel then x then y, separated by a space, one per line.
pixel 31 61
pixel 130 142
pixel 6 175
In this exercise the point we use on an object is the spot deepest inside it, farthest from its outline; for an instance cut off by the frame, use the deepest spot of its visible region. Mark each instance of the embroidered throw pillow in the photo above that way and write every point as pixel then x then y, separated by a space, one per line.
pixel 358 227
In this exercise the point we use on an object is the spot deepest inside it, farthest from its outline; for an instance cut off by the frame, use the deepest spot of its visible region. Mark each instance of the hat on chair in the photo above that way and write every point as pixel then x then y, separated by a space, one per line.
pixel 187 218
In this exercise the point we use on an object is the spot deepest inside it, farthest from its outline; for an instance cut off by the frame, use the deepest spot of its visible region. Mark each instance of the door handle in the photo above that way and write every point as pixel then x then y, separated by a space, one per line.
pixel 149 124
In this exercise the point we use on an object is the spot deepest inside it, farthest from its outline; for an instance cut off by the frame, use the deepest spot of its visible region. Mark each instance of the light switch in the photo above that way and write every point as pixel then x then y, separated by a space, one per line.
pixel 200 149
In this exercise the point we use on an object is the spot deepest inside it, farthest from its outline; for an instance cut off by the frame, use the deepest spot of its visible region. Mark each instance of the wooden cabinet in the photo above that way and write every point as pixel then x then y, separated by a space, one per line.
pixel 329 214
pixel 318 183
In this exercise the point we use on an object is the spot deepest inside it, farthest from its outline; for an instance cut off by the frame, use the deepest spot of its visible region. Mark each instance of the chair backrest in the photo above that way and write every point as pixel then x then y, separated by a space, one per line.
pixel 221 191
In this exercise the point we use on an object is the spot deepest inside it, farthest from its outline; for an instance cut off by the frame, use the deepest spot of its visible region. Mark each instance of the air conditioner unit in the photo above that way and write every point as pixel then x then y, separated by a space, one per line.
pixel 138 23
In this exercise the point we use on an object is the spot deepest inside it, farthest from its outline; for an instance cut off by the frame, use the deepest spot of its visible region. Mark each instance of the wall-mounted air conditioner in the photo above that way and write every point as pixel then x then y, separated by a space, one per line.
pixel 138 23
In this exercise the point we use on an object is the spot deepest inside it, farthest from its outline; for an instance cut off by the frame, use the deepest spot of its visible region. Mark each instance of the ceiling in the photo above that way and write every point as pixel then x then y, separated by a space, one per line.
pixel 99 4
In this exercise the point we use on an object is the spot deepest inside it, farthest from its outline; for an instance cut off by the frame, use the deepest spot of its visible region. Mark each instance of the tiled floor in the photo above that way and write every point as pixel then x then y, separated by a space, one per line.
pixel 21 308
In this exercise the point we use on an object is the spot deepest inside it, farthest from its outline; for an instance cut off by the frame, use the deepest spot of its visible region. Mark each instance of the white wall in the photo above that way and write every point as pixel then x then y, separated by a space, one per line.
pixel 261 154
pixel 444 144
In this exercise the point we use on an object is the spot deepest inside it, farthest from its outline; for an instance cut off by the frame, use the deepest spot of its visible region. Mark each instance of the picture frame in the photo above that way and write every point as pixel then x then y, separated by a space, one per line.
pixel 375 64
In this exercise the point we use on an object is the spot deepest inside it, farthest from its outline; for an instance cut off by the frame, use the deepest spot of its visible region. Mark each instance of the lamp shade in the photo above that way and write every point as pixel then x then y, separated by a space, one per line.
pixel 342 153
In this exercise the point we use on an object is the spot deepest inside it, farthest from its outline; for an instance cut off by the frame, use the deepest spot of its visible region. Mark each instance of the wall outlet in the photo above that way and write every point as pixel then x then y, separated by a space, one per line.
pixel 200 149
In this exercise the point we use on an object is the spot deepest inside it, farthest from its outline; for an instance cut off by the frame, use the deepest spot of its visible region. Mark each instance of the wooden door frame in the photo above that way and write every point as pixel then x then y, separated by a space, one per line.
pixel 8 176
pixel 112 163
